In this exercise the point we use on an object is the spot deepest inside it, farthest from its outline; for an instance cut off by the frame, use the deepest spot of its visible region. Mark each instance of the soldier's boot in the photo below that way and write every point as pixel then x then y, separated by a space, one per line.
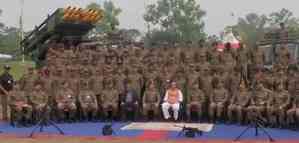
pixel 212 114
pixel 85 115
pixel 281 118
pixel 219 114
pixel 19 119
pixel 27 118
pixel 199 114
pixel 72 116
pixel 61 116
pixel 239 116
pixel 94 116
pixel 290 120
pixel 189 115
pixel 230 115
pixel 297 119
pixel 272 120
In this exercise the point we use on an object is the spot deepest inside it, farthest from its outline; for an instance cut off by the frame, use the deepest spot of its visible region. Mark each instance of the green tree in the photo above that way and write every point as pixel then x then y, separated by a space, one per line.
pixel 110 21
pixel 130 34
pixel 9 43
pixel 175 20
pixel 251 28
pixel 284 16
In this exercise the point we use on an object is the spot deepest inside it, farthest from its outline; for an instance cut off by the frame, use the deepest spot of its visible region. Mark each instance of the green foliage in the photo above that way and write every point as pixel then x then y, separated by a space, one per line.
pixel 8 38
pixel 9 43
pixel 284 16
pixel 130 34
pixel 175 20
pixel 251 28
pixel 110 21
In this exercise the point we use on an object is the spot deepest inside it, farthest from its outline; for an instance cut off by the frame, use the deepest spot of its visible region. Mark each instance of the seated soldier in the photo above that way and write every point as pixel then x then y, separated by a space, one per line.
pixel 88 102
pixel 172 99
pixel 293 112
pixel 21 110
pixel 278 105
pixel 239 103
pixel 151 100
pixel 129 101
pixel 66 103
pixel 218 100
pixel 293 88
pixel 258 102
pixel 195 101
pixel 110 99
pixel 39 101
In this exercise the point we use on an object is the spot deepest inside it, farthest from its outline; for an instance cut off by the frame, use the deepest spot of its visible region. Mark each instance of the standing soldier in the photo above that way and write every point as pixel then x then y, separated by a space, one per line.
pixel 28 80
pixel 88 102
pixel 239 103
pixel 19 106
pixel 283 56
pixel 6 81
pixel 214 54
pixel 242 60
pixel 218 99
pixel 39 103
pixel 257 57
pixel 195 101
pixel 227 58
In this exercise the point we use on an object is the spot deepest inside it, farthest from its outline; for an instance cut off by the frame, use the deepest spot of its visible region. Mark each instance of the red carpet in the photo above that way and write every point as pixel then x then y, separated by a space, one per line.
pixel 148 135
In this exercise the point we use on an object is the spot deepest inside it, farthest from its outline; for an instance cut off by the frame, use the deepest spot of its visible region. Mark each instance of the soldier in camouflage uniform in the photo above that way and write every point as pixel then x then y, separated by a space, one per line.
pixel 293 87
pixel 242 61
pixel 66 102
pixel 239 103
pixel 6 85
pixel 214 55
pixel 278 105
pixel 88 102
pixel 110 98
pixel 196 100
pixel 218 99
pixel 20 107
pixel 39 101
pixel 283 56
pixel 28 80
pixel 259 101
pixel 151 99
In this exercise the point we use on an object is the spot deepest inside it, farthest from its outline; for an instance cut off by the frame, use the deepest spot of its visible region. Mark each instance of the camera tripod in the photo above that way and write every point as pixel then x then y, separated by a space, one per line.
pixel 44 121
pixel 257 124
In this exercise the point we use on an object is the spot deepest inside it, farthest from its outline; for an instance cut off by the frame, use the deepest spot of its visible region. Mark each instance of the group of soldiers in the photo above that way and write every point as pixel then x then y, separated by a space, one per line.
pixel 112 79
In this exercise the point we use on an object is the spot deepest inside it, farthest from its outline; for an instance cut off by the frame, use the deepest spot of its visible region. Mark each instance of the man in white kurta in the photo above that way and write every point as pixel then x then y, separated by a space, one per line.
pixel 172 99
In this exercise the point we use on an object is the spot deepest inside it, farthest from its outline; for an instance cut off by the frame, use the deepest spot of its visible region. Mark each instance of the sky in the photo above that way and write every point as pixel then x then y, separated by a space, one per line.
pixel 219 12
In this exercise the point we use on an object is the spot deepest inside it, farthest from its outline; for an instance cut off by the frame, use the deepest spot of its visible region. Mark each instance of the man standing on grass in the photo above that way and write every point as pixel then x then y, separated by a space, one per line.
pixel 6 82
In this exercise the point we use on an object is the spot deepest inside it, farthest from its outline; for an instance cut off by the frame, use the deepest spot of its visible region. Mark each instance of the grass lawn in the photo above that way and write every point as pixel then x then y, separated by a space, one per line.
pixel 18 68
